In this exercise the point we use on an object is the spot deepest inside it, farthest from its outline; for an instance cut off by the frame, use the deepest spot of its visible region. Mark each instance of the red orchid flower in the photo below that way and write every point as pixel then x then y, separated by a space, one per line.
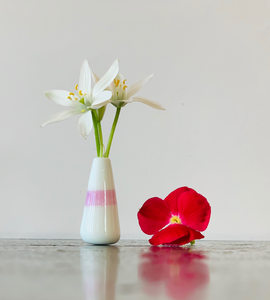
pixel 177 219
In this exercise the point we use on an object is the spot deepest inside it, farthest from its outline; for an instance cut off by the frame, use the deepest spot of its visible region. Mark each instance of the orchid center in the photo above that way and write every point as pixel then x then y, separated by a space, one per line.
pixel 119 88
pixel 175 219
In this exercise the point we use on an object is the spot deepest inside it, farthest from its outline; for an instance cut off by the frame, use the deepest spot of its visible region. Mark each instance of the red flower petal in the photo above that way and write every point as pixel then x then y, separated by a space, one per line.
pixel 194 210
pixel 169 234
pixel 172 199
pixel 154 215
pixel 192 235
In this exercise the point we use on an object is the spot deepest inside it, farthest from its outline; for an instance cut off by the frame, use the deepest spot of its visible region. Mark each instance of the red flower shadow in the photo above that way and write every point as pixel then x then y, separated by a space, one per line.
pixel 182 271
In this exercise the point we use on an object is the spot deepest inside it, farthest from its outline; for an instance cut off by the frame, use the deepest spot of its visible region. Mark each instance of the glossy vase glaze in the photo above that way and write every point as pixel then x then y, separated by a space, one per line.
pixel 100 222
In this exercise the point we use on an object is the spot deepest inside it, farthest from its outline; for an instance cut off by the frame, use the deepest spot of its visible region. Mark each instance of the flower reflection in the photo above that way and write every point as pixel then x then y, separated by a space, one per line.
pixel 99 266
pixel 182 272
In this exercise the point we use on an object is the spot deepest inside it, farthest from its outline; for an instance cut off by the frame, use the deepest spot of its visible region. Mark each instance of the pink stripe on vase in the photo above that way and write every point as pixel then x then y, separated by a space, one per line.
pixel 106 197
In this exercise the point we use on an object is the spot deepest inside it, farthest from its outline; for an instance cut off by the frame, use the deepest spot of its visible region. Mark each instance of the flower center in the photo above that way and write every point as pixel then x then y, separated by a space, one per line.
pixel 119 89
pixel 175 219
pixel 74 97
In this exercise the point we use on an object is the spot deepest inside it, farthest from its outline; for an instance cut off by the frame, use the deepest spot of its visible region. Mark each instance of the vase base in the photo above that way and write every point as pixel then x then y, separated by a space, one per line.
pixel 99 241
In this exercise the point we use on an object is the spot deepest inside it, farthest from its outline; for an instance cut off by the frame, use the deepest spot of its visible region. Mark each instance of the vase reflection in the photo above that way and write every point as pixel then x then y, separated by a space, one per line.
pixel 99 266
pixel 181 271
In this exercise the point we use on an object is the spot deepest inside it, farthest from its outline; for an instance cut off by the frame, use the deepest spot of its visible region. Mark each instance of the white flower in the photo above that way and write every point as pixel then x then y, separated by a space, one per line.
pixel 122 94
pixel 86 100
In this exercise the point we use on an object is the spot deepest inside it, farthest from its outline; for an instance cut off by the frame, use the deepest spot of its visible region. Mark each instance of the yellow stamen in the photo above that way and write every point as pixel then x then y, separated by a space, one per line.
pixel 76 99
pixel 175 219
pixel 117 82
pixel 69 98
pixel 80 92
pixel 124 82
pixel 114 80
pixel 124 87
pixel 76 87
pixel 71 94
pixel 83 110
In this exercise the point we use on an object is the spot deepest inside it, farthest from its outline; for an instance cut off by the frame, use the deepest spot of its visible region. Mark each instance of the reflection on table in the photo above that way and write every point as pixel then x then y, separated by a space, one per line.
pixel 99 267
pixel 182 272
pixel 111 273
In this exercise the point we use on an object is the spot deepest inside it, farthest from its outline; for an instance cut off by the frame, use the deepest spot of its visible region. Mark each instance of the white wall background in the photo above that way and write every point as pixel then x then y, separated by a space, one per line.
pixel 211 65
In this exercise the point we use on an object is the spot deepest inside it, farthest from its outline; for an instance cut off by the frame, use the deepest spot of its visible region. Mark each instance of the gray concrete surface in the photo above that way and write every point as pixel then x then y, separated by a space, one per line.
pixel 71 269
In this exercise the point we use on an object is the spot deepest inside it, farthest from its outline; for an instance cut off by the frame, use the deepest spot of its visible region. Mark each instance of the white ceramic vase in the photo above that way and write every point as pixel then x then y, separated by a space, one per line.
pixel 100 221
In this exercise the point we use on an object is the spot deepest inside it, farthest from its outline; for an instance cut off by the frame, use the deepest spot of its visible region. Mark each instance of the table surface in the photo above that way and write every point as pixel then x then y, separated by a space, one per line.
pixel 132 269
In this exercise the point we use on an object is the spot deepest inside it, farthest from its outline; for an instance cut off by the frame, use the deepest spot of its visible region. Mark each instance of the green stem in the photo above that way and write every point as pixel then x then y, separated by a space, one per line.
pixel 100 139
pixel 96 132
pixel 112 131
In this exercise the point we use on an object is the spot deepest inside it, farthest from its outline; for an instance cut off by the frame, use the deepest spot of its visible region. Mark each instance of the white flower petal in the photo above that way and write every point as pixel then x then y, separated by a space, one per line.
pixel 85 78
pixel 85 124
pixel 95 77
pixel 135 87
pixel 149 102
pixel 79 106
pixel 59 97
pixel 119 77
pixel 123 101
pixel 99 105
pixel 106 80
pixel 88 100
pixel 61 116
pixel 120 103
pixel 101 97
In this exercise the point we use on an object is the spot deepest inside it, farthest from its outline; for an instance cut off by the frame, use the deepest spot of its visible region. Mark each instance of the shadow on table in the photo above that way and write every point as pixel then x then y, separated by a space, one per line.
pixel 182 272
